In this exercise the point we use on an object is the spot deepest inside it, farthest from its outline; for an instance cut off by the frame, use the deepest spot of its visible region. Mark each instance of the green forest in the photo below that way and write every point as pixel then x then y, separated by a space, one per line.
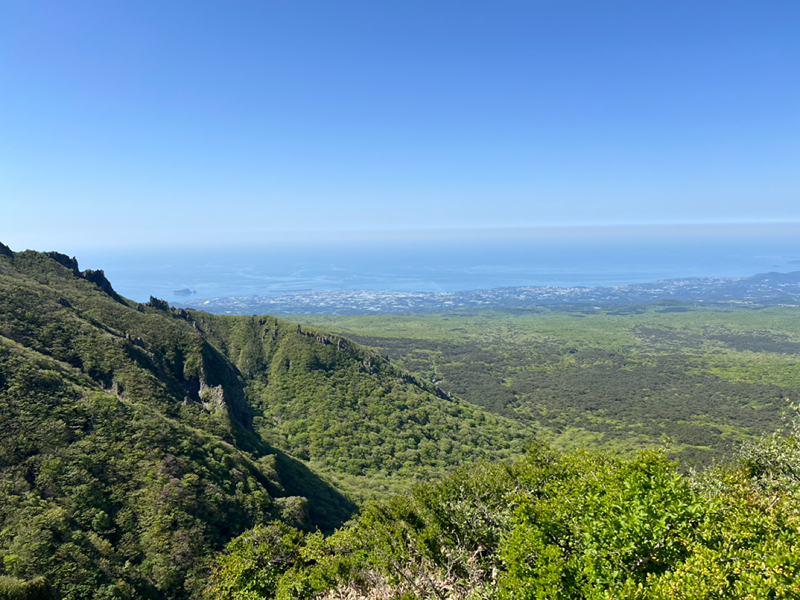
pixel 699 379
pixel 154 452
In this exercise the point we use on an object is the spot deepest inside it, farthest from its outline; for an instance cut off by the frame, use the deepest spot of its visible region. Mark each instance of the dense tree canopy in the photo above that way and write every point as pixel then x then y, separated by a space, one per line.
pixel 706 377
pixel 137 439
pixel 151 452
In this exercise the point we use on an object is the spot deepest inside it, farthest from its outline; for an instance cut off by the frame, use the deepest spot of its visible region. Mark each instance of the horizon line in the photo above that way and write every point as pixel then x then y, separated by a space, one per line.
pixel 168 239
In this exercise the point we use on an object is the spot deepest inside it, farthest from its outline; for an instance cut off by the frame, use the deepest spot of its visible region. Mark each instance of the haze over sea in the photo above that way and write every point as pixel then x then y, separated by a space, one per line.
pixel 445 261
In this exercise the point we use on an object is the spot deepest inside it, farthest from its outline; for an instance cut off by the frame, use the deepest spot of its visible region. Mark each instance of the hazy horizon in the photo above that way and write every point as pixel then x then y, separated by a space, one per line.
pixel 453 260
pixel 663 232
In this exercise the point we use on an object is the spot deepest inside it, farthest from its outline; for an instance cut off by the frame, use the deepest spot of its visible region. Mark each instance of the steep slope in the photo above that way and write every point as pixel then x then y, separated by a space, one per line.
pixel 349 411
pixel 126 454
pixel 136 440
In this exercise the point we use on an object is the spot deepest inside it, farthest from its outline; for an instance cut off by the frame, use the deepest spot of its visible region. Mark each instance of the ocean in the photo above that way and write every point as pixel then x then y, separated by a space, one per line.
pixel 450 261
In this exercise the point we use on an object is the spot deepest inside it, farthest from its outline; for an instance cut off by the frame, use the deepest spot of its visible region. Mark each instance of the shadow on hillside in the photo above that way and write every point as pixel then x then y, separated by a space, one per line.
pixel 328 508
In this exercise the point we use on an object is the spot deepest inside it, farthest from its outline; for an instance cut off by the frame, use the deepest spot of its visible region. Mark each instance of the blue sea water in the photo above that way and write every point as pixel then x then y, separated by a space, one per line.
pixel 449 263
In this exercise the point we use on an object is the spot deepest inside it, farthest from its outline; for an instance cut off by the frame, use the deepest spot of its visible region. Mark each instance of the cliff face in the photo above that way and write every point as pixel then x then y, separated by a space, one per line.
pixel 96 277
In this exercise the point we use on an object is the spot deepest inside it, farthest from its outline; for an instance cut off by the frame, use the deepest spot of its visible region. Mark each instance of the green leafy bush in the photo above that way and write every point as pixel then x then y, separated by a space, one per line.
pixel 569 526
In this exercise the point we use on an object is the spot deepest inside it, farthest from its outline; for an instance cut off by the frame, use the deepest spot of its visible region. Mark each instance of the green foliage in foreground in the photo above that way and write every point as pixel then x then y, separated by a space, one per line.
pixel 552 525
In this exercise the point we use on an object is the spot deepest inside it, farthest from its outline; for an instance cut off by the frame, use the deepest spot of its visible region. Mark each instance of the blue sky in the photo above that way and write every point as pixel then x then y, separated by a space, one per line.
pixel 170 121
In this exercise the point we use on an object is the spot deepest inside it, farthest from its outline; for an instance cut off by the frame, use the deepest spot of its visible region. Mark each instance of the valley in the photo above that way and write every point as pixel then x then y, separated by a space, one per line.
pixel 137 439
pixel 149 451
pixel 698 379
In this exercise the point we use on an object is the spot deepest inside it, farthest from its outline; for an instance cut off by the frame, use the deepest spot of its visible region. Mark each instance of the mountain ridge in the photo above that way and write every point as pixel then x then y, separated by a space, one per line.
pixel 139 438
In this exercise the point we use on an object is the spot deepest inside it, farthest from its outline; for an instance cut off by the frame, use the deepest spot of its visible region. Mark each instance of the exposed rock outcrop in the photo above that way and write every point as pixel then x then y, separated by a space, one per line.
pixel 96 277
pixel 157 303
pixel 63 259
pixel 218 387
pixel 182 314
pixel 99 279
pixel 136 341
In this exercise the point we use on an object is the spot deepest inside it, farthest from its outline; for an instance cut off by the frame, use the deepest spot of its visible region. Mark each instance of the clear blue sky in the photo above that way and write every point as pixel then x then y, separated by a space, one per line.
pixel 140 122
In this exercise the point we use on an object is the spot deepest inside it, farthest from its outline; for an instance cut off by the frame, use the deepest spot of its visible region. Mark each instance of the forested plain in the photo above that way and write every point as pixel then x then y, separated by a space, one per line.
pixel 154 452
pixel 697 379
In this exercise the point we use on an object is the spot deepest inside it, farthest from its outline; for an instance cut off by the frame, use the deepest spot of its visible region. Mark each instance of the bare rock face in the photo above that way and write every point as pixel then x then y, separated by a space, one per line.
pixel 96 277
pixel 63 259
pixel 99 279
pixel 5 250
pixel 157 303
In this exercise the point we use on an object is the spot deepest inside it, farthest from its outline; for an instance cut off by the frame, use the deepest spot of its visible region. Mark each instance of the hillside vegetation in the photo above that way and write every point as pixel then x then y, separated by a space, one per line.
pixel 152 452
pixel 705 379
pixel 137 439
pixel 348 411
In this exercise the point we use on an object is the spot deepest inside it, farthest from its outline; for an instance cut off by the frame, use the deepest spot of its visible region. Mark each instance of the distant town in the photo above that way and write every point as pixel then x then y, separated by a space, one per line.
pixel 769 289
